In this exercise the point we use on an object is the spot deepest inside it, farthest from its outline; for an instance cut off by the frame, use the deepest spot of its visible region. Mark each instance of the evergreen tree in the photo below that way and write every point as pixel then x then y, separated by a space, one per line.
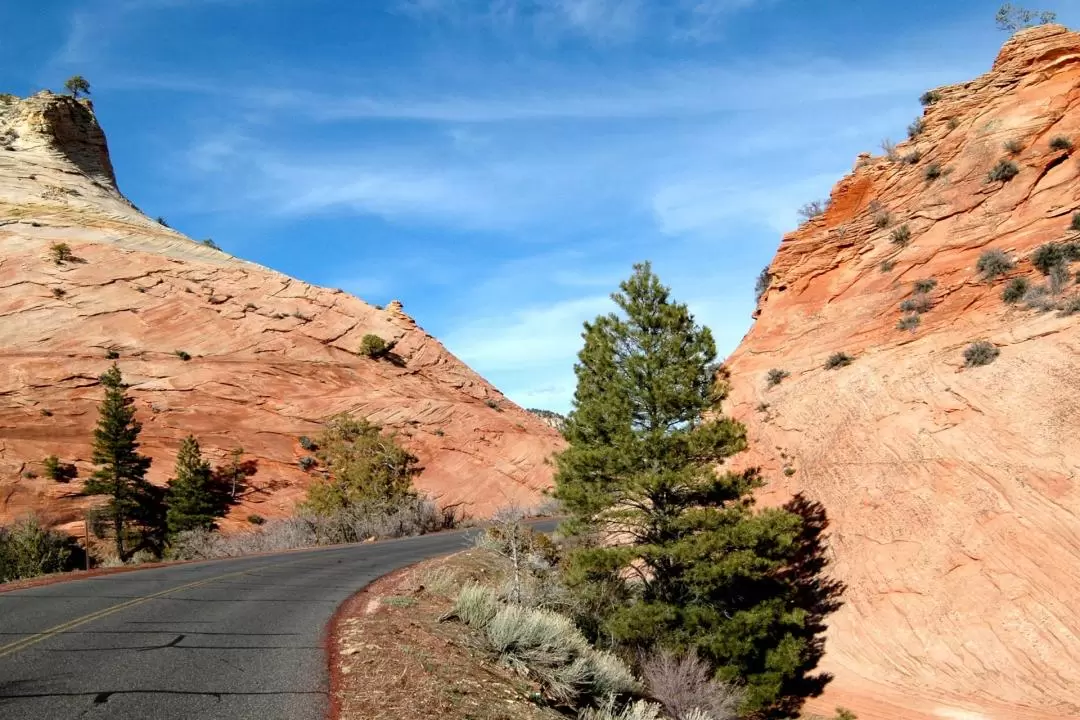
pixel 77 85
pixel 364 468
pixel 696 566
pixel 192 497
pixel 121 472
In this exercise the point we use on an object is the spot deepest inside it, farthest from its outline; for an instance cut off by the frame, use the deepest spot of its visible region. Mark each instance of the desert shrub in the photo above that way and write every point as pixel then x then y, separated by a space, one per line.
pixel 1038 298
pixel 882 218
pixel 1011 18
pixel 1015 290
pixel 476 605
pixel 912 158
pixel 45 412
pixel 1014 146
pixel 182 354
pixel 929 97
pixel 980 352
pixel 610 675
pixel 1058 279
pixel 1004 171
pixel 887 265
pixel 112 354
pixel 29 549
pixel 256 519
pixel 208 242
pixel 764 279
pixel 59 471
pixel 398 601
pixel 1071 306
pixel 372 346
pixel 685 683
pixel 812 209
pixel 307 462
pixel 307 443
pixel 775 377
pixel 1051 254
pixel 908 322
pixel 61 253
pixel 889 147
pixel 59 293
pixel 925 285
pixel 493 404
pixel 954 123
pixel 918 303
pixel 837 360
pixel 1060 142
pixel 932 172
pixel 610 709
pixel 901 236
pixel 993 263
pixel 916 128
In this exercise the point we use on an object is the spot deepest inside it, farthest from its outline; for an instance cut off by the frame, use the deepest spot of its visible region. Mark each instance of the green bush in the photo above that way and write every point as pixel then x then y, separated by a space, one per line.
pixel 1075 224
pixel 929 97
pixel 59 471
pixel 307 443
pixel 901 236
pixel 837 360
pixel 182 354
pixel 932 172
pixel 61 253
pixel 476 605
pixel 887 265
pixel 256 519
pixel 1051 254
pixel 28 549
pixel 307 462
pixel 112 354
pixel 918 303
pixel 1016 289
pixel 1060 142
pixel 979 353
pixel 925 285
pixel 77 85
pixel 372 346
pixel 59 293
pixel 993 263
pixel 912 158
pixel 908 322
pixel 775 377
pixel 916 128
pixel 1004 171
pixel 762 283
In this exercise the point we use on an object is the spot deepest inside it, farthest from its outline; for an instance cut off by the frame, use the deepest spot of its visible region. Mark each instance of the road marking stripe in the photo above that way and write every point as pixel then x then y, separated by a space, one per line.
pixel 71 624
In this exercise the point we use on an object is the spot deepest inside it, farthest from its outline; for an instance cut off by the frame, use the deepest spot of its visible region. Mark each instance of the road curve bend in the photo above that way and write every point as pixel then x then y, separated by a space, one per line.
pixel 231 639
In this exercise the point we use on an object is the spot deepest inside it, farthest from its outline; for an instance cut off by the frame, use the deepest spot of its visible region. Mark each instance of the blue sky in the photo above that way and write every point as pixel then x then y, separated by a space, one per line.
pixel 499 165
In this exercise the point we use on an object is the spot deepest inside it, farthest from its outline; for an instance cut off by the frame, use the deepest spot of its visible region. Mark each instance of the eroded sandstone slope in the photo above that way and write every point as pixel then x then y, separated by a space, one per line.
pixel 952 490
pixel 271 356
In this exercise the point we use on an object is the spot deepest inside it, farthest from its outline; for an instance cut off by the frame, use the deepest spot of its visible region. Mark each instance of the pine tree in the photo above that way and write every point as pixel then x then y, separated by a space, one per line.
pixel 77 85
pixel 696 566
pixel 121 472
pixel 192 497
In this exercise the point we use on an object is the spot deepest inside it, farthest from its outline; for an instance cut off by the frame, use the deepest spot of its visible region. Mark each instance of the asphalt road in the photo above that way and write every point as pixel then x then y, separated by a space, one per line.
pixel 231 639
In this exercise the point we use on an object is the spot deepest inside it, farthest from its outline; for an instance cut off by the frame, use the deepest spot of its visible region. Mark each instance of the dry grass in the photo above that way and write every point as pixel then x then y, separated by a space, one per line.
pixel 394 662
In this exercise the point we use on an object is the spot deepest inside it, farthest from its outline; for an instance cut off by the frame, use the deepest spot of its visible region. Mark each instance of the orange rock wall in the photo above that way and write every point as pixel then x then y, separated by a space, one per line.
pixel 952 491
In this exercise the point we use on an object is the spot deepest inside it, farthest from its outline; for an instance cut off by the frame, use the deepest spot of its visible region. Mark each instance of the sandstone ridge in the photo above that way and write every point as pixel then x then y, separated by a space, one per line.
pixel 270 357
pixel 953 490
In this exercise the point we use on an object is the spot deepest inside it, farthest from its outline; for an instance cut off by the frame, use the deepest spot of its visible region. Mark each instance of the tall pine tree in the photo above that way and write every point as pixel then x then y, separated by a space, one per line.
pixel 693 565
pixel 193 498
pixel 121 472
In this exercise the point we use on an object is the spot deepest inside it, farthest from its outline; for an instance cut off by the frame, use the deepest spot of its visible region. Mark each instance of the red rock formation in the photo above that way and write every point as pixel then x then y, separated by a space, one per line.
pixel 952 490
pixel 271 356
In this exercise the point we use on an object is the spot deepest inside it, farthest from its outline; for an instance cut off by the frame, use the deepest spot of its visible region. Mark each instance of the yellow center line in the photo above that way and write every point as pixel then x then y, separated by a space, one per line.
pixel 26 642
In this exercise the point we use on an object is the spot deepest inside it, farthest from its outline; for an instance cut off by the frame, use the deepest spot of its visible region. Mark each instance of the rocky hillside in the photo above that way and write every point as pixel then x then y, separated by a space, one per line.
pixel 953 488
pixel 233 352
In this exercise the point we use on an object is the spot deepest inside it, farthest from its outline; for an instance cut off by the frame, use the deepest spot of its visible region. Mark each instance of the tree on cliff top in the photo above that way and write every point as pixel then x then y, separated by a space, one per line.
pixel 1011 18
pixel 121 474
pixel 698 567
pixel 77 85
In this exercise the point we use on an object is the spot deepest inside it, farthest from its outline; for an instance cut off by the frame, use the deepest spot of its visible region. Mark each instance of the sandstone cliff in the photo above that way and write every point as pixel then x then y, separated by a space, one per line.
pixel 953 490
pixel 270 356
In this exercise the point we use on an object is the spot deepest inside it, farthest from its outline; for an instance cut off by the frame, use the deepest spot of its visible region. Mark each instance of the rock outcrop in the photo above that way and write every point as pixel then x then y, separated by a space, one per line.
pixel 953 490
pixel 270 357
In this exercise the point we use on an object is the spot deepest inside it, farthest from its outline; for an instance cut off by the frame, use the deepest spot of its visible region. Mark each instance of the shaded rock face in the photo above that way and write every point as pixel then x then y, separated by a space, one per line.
pixel 270 357
pixel 953 491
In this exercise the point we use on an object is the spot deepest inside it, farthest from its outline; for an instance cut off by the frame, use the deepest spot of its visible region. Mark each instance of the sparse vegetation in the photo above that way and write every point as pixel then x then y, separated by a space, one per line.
pixel 838 360
pixel 307 443
pixel 813 209
pixel 889 147
pixel 775 377
pixel 77 85
pixel 764 279
pixel 112 354
pixel 29 549
pixel 373 346
pixel 1058 279
pixel 887 266
pixel 61 253
pixel 1014 146
pixel 256 519
pixel 980 352
pixel 1038 298
pixel 493 404
pixel 925 285
pixel 918 303
pixel 307 462
pixel 953 123
pixel 912 158
pixel 882 219
pixel 993 263
pixel 1052 254
pixel 208 242
pixel 59 471
pixel 901 236
pixel 1015 290
pixel 916 128
pixel 1075 224
pixel 1060 142
pixel 683 685
pixel 1004 171
pixel 1011 18
pixel 161 221
pixel 929 97
pixel 909 322
pixel 932 172
pixel 182 354
pixel 59 293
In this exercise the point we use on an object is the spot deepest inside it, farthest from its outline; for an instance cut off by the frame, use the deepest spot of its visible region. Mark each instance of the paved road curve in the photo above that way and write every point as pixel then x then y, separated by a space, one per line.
pixel 231 639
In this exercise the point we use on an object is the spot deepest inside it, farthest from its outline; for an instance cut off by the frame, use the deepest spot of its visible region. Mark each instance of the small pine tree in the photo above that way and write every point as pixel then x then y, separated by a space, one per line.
pixel 709 573
pixel 192 499
pixel 77 85
pixel 121 472
pixel 1011 18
